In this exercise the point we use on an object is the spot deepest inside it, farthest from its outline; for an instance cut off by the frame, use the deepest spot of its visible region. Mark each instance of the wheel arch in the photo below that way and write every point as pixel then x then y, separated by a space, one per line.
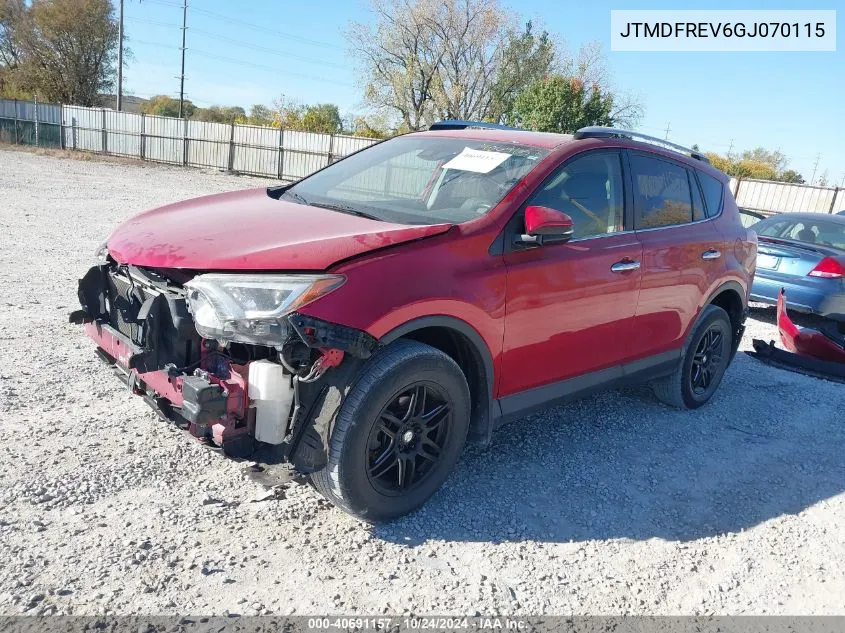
pixel 460 341
pixel 729 297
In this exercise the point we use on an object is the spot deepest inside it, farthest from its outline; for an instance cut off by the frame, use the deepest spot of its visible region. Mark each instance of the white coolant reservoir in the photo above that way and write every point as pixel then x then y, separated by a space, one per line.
pixel 272 394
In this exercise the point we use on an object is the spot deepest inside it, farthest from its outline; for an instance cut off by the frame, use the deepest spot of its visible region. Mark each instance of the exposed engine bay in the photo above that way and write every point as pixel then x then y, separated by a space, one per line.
pixel 266 388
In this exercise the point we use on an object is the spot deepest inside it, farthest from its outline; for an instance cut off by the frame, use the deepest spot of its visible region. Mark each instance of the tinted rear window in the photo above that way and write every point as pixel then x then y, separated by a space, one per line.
pixel 713 194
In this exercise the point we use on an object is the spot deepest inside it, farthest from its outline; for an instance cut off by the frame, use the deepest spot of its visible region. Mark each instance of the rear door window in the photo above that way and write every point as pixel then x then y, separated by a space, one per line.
pixel 714 193
pixel 698 212
pixel 662 195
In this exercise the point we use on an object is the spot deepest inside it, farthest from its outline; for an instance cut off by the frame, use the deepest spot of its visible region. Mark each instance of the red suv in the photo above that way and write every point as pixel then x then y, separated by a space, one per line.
pixel 364 322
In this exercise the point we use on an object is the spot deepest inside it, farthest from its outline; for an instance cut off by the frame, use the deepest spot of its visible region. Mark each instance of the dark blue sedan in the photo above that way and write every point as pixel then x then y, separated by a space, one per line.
pixel 804 253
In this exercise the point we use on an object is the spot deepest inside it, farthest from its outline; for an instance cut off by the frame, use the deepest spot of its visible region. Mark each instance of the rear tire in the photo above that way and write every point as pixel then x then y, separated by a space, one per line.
pixel 398 433
pixel 707 355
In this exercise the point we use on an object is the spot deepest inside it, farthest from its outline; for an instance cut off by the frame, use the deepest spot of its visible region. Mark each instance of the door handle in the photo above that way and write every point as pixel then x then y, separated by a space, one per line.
pixel 625 265
pixel 711 254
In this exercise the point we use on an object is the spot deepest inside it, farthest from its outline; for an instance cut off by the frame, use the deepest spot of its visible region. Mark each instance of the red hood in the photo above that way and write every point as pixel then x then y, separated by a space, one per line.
pixel 249 230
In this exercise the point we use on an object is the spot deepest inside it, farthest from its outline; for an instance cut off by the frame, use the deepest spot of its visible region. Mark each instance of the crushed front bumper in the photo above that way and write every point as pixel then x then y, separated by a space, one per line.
pixel 207 406
pixel 143 329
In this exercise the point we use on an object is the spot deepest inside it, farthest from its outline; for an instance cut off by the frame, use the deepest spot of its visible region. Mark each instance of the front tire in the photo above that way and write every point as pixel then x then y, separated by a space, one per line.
pixel 706 358
pixel 398 433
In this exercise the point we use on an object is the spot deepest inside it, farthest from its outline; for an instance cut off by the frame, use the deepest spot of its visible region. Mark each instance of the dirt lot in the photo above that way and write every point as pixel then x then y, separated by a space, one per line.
pixel 614 504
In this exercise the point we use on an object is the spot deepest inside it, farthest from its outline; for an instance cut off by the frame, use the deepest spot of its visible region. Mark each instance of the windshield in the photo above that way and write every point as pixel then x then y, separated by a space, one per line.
pixel 810 231
pixel 419 179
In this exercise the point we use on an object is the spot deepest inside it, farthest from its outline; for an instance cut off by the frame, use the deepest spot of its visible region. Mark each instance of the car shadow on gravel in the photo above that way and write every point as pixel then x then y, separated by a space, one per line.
pixel 621 465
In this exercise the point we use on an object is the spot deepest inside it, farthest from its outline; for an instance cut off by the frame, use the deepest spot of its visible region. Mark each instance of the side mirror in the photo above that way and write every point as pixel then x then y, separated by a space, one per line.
pixel 543 224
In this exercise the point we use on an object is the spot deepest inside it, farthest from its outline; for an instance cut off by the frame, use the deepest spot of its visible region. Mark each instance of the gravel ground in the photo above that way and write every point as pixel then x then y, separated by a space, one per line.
pixel 612 505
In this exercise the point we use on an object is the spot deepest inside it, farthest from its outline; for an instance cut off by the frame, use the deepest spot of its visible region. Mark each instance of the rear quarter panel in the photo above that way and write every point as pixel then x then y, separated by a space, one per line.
pixel 740 245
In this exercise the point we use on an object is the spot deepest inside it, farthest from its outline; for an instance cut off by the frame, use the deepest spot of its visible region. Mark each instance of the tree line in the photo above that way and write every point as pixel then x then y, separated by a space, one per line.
pixel 758 163
pixel 418 61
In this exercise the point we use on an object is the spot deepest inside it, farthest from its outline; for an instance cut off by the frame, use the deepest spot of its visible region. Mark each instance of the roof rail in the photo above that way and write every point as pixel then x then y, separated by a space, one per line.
pixel 612 132
pixel 457 124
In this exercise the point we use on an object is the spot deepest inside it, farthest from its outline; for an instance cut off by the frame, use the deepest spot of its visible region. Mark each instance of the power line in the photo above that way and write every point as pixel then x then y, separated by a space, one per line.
pixel 271 69
pixel 266 29
pixel 265 49
pixel 156 44
pixel 241 43
pixel 154 22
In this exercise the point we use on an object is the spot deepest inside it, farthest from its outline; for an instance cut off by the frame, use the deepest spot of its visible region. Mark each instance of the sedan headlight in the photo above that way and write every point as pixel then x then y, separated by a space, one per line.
pixel 251 308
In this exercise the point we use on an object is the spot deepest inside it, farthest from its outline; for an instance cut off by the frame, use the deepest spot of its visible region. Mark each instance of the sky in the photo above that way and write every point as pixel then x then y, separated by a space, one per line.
pixel 242 52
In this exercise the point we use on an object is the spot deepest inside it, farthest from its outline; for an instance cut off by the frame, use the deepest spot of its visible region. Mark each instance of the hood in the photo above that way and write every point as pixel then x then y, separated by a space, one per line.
pixel 249 230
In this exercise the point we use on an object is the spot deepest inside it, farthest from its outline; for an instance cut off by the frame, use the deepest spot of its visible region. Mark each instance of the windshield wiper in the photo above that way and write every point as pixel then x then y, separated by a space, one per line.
pixel 342 208
pixel 296 196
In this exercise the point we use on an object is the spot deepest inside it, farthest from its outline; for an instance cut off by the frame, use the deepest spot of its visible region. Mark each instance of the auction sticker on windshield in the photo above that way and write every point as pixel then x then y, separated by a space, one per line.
pixel 477 160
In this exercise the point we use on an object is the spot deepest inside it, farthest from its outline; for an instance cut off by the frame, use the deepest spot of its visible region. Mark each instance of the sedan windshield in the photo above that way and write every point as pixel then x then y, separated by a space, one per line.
pixel 824 232
pixel 420 180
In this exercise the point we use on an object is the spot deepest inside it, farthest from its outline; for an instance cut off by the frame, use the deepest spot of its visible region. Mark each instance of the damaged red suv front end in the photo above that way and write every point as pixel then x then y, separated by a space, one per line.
pixel 142 326
pixel 226 355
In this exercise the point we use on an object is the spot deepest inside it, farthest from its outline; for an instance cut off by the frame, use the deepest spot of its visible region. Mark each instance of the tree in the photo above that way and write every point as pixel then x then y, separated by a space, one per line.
pixel 776 160
pixel 758 163
pixel 590 66
pixel 60 50
pixel 527 57
pixel 399 59
pixel 431 59
pixel 561 104
pixel 790 175
pixel 742 167
pixel 218 114
pixel 368 129
pixel 424 60
pixel 163 105
pixel 11 15
pixel 323 118
pixel 288 113
pixel 261 115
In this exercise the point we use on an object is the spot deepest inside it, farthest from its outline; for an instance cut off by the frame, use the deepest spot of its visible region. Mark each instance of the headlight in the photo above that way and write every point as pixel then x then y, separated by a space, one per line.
pixel 101 255
pixel 250 308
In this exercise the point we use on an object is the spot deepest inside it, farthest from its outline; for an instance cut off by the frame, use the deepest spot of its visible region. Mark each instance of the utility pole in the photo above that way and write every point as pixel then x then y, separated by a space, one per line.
pixel 667 130
pixel 731 148
pixel 815 167
pixel 182 78
pixel 119 104
pixel 842 184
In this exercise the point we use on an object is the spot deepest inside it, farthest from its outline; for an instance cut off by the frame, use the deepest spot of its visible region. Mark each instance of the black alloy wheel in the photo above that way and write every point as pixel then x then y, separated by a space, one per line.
pixel 707 360
pixel 397 434
pixel 408 439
